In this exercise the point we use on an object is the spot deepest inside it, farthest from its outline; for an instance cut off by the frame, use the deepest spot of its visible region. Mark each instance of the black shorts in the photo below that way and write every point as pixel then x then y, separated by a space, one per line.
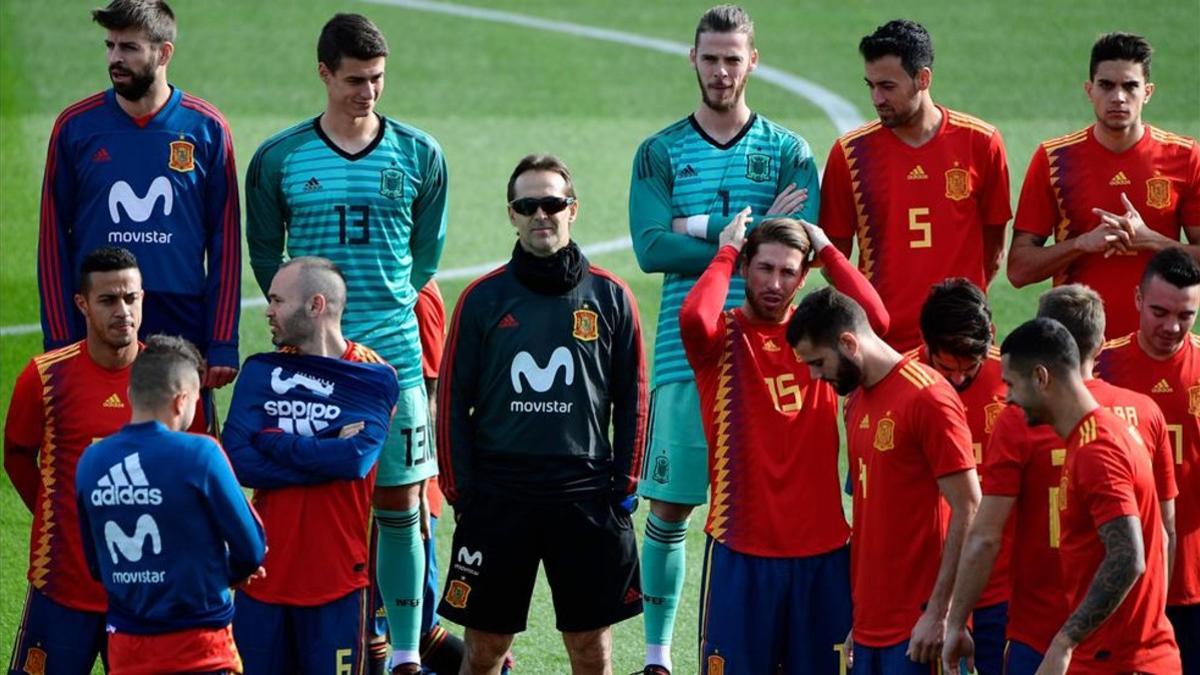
pixel 587 546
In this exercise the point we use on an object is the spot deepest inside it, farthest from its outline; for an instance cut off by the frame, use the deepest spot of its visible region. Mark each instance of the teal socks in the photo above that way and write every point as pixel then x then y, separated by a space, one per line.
pixel 400 571
pixel 663 568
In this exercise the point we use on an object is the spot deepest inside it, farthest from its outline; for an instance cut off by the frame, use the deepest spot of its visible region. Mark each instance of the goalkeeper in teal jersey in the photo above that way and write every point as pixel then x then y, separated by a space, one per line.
pixel 689 181
pixel 368 193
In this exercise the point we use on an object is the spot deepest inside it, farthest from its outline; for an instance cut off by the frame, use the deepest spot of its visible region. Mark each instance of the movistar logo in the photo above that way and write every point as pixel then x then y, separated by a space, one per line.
pixel 541 379
pixel 139 209
pixel 132 546
pixel 125 485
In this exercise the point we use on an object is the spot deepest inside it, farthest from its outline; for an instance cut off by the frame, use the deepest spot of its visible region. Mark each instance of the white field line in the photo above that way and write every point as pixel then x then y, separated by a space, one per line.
pixel 840 111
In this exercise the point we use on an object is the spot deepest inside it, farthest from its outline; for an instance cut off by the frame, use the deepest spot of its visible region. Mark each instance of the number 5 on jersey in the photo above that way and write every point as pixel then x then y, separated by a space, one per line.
pixel 922 229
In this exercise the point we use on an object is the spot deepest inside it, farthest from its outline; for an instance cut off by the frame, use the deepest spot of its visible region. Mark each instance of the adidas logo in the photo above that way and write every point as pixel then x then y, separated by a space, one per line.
pixel 113 401
pixel 632 595
pixel 917 173
pixel 688 172
pixel 1163 387
pixel 1119 179
pixel 312 185
pixel 770 346
pixel 509 321
pixel 101 156
pixel 282 386
pixel 125 484
pixel 865 423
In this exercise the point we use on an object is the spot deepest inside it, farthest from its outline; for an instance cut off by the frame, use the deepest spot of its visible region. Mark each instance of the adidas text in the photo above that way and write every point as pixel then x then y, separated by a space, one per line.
pixel 126 495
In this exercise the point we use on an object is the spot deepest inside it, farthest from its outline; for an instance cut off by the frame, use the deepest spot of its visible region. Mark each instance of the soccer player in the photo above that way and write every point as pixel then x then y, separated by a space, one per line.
pixel 305 428
pixel 915 488
pixel 441 650
pixel 777 586
pixel 146 166
pixel 165 526
pixel 923 189
pixel 62 401
pixel 956 335
pixel 368 193
pixel 1112 547
pixel 543 358
pixel 1111 194
pixel 1021 476
pixel 1162 359
pixel 689 181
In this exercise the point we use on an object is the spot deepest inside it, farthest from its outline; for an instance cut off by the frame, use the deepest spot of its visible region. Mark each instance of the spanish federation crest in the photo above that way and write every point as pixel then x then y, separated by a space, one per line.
pixel 457 593
pixel 35 661
pixel 391 183
pixel 958 184
pixel 991 412
pixel 1194 400
pixel 182 157
pixel 1158 193
pixel 716 664
pixel 885 434
pixel 586 327
pixel 758 167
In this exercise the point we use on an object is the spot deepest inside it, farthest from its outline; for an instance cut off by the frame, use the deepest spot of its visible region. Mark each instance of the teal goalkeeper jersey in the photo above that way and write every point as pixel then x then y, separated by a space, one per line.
pixel 379 214
pixel 682 172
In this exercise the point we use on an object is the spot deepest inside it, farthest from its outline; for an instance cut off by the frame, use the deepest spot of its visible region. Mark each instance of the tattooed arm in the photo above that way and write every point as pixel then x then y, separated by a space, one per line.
pixel 1124 562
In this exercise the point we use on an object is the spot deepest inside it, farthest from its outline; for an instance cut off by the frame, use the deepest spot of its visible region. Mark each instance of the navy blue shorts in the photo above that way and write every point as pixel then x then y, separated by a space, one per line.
pixel 1185 619
pixel 890 661
pixel 988 625
pixel 285 639
pixel 1021 659
pixel 53 638
pixel 770 615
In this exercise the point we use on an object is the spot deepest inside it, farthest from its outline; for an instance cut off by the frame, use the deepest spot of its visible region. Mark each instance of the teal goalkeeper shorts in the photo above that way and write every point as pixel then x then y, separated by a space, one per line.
pixel 408 454
pixel 675 468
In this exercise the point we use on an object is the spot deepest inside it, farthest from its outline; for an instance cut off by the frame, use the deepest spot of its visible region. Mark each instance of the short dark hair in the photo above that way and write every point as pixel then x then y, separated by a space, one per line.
pixel 786 231
pixel 158 372
pixel 1121 47
pixel 104 259
pixel 152 16
pixel 540 162
pixel 955 319
pixel 725 19
pixel 903 38
pixel 349 35
pixel 1041 342
pixel 1080 310
pixel 823 316
pixel 1174 266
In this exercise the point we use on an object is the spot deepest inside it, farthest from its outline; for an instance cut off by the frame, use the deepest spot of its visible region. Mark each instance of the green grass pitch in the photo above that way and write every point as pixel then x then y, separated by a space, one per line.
pixel 492 92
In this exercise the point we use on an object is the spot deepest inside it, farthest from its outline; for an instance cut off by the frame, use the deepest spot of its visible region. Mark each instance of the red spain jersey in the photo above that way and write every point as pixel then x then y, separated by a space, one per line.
pixel 771 429
pixel 1026 463
pixel 984 401
pixel 918 213
pixel 1107 475
pixel 1071 175
pixel 1174 384
pixel 903 434
pixel 431 325
pixel 318 544
pixel 61 403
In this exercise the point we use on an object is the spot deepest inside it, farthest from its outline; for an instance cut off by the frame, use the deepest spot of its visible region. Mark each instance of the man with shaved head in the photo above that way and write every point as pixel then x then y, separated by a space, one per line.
pixel 305 429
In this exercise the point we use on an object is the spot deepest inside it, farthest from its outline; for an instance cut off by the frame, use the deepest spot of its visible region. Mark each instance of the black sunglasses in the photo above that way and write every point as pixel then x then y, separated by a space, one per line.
pixel 527 206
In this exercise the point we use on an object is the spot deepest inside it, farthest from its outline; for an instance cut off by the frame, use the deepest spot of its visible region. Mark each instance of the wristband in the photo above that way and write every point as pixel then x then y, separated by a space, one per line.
pixel 697 226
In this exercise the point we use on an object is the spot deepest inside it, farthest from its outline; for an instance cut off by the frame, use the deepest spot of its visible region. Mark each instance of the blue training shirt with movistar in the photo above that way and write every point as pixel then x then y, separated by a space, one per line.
pixel 163 186
pixel 166 529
